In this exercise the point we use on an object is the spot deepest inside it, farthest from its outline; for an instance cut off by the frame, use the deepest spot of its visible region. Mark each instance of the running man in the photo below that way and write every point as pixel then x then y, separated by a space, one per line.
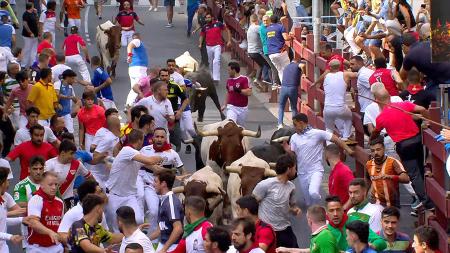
pixel 125 18
pixel 138 62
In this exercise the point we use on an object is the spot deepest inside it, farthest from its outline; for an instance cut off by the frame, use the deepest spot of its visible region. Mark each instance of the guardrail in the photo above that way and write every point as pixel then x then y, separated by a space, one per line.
pixel 435 184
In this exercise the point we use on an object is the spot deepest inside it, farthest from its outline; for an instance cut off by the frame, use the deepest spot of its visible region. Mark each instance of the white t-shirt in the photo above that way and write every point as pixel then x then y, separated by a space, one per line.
pixel 23 135
pixel 232 249
pixel 363 86
pixel 48 20
pixel 105 141
pixel 8 203
pixel 171 157
pixel 335 88
pixel 177 78
pixel 62 170
pixel 57 70
pixel 124 173
pixel 5 58
pixel 157 110
pixel 99 135
pixel 308 147
pixel 137 237
pixel 75 214
pixel 5 163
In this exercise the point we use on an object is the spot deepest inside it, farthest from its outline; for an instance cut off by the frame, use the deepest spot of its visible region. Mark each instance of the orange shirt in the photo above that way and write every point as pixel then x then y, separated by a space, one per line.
pixel 73 8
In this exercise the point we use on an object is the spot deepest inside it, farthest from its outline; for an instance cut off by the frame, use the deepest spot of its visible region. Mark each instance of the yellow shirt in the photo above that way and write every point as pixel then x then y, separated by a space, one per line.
pixel 43 97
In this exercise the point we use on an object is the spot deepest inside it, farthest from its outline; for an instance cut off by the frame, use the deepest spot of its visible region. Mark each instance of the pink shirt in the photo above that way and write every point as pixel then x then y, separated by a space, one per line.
pixel 71 44
pixel 144 86
pixel 92 119
pixel 22 96
pixel 235 98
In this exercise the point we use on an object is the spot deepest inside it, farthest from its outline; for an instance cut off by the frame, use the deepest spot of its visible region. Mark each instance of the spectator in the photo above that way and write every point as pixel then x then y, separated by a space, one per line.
pixel 20 95
pixel 385 174
pixel 217 240
pixel 362 209
pixel 264 235
pixel 242 237
pixel 405 16
pixel 340 175
pixel 415 92
pixel 275 205
pixel 30 34
pixel 337 221
pixel 35 147
pixel 8 39
pixel 389 77
pixel 426 240
pixel 263 34
pixel 23 134
pixel 43 96
pixel 357 237
pixel 102 83
pixel 72 45
pixel 91 118
pixel 46 43
pixel 276 45
pixel 396 240
pixel 327 54
pixel 254 47
pixel 289 89
pixel 363 86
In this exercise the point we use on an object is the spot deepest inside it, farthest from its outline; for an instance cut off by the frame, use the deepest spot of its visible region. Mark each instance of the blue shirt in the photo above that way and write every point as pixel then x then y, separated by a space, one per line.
pixel 170 211
pixel 66 90
pixel 139 57
pixel 275 40
pixel 291 75
pixel 366 250
pixel 6 30
pixel 100 76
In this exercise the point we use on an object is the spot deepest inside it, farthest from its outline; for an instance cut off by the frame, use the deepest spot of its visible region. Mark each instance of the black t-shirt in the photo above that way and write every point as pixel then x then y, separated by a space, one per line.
pixel 32 21
pixel 419 56
pixel 80 231
pixel 175 92
pixel 422 98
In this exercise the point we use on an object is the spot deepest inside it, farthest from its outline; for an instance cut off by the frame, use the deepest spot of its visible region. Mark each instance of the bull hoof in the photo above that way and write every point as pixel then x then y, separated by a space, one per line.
pixel 222 116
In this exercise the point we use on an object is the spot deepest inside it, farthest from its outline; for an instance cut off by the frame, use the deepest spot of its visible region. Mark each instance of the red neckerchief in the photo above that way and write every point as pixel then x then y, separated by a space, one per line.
pixel 28 126
pixel 44 195
pixel 341 225
pixel 165 147
pixel 414 88
pixel 1 200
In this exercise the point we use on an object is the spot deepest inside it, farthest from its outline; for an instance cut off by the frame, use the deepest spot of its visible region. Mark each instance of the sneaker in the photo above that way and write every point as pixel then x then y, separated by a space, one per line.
pixel 416 204
pixel 169 25
pixel 279 126
pixel 150 9
pixel 155 9
pixel 414 213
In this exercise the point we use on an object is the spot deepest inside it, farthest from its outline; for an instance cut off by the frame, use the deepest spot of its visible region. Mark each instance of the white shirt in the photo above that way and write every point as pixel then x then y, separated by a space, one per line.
pixel 157 110
pixel 75 214
pixel 8 203
pixel 232 249
pixel 99 135
pixel 23 135
pixel 62 170
pixel 308 147
pixel 137 237
pixel 363 87
pixel 105 141
pixel 124 173
pixel 335 88
pixel 57 70
pixel 49 24
pixel 5 163
pixel 5 58
pixel 171 159
pixel 177 78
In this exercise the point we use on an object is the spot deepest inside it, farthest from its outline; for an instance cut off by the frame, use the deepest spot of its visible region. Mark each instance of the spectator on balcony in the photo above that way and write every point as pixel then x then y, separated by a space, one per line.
pixel 400 126
pixel 336 112
pixel 416 92
pixel 254 48
pixel 289 89
pixel 327 54
pixel 276 45
pixel 263 35
pixel 212 35
pixel 389 77
pixel 426 240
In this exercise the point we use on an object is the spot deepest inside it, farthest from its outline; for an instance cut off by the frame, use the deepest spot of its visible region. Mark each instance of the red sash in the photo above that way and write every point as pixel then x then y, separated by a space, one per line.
pixel 70 176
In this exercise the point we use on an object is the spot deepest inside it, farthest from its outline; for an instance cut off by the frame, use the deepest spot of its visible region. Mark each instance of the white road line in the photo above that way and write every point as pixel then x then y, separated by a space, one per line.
pixel 86 27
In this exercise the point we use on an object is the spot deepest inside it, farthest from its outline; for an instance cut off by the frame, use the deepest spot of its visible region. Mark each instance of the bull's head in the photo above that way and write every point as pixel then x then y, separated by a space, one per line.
pixel 202 81
pixel 114 34
pixel 228 146
pixel 250 176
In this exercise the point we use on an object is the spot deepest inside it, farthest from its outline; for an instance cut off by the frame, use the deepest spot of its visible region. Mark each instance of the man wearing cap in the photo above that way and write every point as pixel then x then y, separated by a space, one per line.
pixel 71 47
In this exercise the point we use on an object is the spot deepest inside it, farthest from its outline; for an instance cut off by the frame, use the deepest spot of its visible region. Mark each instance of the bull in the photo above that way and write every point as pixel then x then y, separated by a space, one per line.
pixel 108 42
pixel 199 94
pixel 245 173
pixel 270 152
pixel 205 183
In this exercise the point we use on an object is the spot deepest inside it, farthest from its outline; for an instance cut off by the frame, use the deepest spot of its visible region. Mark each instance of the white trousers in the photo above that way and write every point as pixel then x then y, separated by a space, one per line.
pixel 310 186
pixel 114 202
pixel 29 51
pixel 68 122
pixel 280 61
pixel 348 35
pixel 88 141
pixel 148 197
pixel 135 73
pixel 187 126
pixel 74 22
pixel 126 37
pixel 78 62
pixel 214 53
pixel 339 116
pixel 34 248
pixel 15 118
pixel 237 114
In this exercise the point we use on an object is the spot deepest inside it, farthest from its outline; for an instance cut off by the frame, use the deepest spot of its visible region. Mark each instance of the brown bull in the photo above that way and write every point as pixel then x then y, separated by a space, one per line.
pixel 198 188
pixel 108 42
pixel 250 177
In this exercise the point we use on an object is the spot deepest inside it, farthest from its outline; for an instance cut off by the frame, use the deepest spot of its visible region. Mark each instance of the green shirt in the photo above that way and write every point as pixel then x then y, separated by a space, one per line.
pixel 24 190
pixel 341 237
pixel 323 241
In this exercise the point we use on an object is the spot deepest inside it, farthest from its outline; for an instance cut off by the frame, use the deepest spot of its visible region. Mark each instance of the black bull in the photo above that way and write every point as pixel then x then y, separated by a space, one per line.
pixel 270 152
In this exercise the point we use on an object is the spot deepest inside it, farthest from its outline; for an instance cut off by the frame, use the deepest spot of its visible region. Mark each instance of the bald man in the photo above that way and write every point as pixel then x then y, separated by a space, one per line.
pixel 103 152
pixel 336 112
pixel 400 126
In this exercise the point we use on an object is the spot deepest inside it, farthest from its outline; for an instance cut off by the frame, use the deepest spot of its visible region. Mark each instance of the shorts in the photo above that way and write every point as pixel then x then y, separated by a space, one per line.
pixel 169 2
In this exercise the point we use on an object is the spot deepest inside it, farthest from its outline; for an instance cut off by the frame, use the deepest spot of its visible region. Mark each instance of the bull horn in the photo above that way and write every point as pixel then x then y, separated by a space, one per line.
pixel 269 173
pixel 205 133
pixel 178 189
pixel 272 165
pixel 281 139
pixel 233 169
pixel 252 133
pixel 100 26
pixel 190 141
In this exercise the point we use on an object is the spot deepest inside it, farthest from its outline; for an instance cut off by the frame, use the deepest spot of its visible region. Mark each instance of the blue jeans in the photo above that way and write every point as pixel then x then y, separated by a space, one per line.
pixel 285 93
pixel 191 9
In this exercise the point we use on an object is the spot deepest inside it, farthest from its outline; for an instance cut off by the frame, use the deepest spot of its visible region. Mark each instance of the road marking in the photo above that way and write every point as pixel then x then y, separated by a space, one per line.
pixel 86 27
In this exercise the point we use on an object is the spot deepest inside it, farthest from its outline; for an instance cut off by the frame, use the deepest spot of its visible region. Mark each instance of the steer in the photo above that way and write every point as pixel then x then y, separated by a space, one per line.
pixel 207 184
pixel 108 43
pixel 245 173
pixel 270 152
pixel 206 88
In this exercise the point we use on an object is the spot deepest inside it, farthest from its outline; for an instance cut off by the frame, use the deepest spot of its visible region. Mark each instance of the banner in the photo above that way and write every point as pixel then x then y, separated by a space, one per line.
pixel 440 30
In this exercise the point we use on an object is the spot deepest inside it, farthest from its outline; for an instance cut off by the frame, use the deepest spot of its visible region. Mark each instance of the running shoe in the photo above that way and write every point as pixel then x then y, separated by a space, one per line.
pixel 169 25
pixel 150 9
pixel 155 9
pixel 416 204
